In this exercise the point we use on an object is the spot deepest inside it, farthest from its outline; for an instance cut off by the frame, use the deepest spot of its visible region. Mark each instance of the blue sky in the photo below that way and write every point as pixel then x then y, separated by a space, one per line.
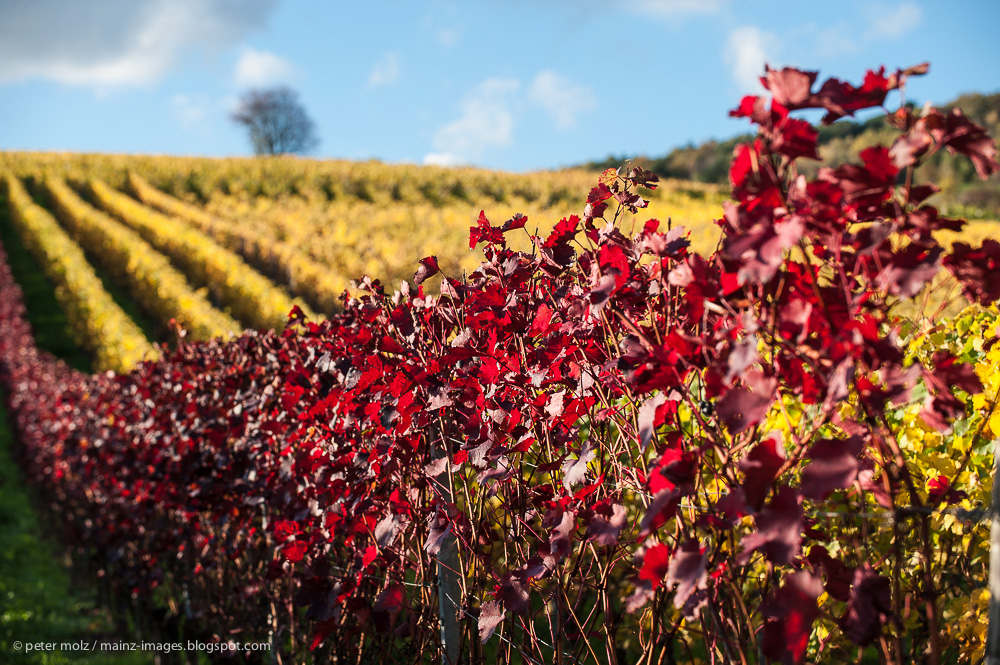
pixel 507 84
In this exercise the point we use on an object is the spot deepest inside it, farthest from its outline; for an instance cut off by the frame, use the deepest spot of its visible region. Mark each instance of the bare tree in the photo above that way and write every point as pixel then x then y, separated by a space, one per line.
pixel 277 121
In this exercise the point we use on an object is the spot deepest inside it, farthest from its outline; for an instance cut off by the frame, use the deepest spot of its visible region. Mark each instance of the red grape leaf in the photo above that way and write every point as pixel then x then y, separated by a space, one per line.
pixel 833 465
pixel 655 564
pixel 741 408
pixel 792 612
pixel 605 530
pixel 761 466
pixel 575 470
pixel 687 570
pixel 391 599
pixel 977 270
pixel 516 222
pixel 790 87
pixel 779 530
pixel 869 607
pixel 437 533
pixel 428 267
pixel 660 511
pixel 491 614
pixel 647 419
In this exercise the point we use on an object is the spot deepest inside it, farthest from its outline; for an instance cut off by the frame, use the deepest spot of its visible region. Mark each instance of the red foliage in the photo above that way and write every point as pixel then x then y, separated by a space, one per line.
pixel 325 459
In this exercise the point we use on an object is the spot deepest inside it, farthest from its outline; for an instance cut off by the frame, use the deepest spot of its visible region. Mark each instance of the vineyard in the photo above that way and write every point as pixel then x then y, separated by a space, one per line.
pixel 389 414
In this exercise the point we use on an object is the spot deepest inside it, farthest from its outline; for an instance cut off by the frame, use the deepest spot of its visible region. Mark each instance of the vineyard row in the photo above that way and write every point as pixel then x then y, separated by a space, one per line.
pixel 133 251
pixel 98 323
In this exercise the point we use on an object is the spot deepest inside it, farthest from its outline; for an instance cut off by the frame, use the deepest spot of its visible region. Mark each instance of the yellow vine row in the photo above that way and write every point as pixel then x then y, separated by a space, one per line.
pixel 99 325
pixel 159 288
pixel 251 297
pixel 306 278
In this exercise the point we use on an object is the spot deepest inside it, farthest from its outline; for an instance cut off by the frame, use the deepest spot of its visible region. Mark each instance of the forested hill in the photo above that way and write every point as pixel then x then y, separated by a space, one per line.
pixel 963 193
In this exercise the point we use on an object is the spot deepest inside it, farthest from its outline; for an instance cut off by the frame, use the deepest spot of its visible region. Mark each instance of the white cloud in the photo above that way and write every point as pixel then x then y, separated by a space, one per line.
pixel 893 22
pixel 385 71
pixel 676 9
pixel 188 110
pixel 447 36
pixel 442 159
pixel 261 68
pixel 560 98
pixel 442 24
pixel 486 122
pixel 884 23
pixel 746 52
pixel 116 42
pixel 488 114
pixel 831 40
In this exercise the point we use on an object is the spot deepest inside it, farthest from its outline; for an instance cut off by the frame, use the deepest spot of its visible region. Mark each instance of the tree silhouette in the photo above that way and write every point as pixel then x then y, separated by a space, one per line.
pixel 278 123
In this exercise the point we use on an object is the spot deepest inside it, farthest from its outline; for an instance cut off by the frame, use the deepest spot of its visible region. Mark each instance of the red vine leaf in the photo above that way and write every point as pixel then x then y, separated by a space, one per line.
pixel 491 614
pixel 760 468
pixel 833 465
pixel 779 530
pixel 428 267
pixel 869 607
pixel 688 571
pixel 741 408
pixel 655 564
pixel 604 530
pixel 791 613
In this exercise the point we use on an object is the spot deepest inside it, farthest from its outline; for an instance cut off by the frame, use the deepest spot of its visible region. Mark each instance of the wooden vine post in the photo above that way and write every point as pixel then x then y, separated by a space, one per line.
pixel 449 587
pixel 993 631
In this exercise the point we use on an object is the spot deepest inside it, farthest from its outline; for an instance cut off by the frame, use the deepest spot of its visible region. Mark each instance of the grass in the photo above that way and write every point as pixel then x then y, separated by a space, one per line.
pixel 38 602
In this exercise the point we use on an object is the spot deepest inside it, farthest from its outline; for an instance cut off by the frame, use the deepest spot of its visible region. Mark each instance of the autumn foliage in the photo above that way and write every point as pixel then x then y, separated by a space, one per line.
pixel 630 447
